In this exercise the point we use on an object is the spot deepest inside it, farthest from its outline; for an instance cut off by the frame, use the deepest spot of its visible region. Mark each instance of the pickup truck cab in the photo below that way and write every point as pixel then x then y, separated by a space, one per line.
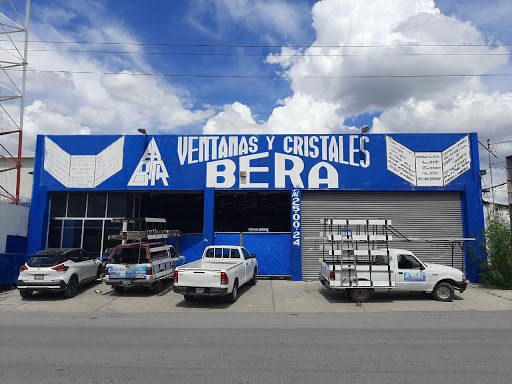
pixel 390 269
pixel 141 264
pixel 220 272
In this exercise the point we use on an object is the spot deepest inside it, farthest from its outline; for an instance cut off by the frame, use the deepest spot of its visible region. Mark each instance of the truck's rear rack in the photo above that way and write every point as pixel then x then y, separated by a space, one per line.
pixel 357 251
pixel 143 229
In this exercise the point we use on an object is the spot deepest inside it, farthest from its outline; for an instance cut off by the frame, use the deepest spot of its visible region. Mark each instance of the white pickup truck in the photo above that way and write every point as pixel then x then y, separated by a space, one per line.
pixel 220 272
pixel 389 269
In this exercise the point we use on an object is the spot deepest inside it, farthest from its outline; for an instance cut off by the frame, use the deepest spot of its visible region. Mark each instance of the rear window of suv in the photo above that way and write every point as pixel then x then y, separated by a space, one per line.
pixel 46 260
pixel 130 255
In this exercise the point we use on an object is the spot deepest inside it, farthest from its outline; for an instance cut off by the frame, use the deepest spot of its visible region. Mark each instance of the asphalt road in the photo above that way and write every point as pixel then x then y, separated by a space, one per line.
pixel 405 347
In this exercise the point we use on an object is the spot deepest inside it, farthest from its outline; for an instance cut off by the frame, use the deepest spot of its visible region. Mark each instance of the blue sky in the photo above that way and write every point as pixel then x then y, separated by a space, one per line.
pixel 315 88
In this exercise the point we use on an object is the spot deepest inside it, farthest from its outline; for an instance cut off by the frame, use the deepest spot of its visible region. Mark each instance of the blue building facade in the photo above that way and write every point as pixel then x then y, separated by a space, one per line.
pixel 243 186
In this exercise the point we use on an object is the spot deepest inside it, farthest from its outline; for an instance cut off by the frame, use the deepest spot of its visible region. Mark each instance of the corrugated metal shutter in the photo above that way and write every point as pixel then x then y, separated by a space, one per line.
pixel 414 214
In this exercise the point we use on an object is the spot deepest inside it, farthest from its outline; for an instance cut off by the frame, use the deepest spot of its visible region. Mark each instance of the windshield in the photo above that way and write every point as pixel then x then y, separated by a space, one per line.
pixel 46 261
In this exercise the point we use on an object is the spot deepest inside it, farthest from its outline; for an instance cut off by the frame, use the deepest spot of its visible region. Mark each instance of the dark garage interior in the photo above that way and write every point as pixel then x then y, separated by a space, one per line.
pixel 183 211
pixel 239 211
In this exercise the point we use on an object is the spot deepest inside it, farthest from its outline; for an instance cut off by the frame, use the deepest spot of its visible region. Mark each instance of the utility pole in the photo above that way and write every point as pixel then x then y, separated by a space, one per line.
pixel 508 165
pixel 490 171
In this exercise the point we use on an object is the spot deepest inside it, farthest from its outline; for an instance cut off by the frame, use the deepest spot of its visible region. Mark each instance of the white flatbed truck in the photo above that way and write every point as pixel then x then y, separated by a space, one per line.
pixel 350 264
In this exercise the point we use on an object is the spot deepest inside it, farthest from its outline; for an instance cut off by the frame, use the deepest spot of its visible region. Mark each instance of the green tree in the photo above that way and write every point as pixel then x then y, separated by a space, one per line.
pixel 497 271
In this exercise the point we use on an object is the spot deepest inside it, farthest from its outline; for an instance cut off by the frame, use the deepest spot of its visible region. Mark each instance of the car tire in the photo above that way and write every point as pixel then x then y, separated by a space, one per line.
pixel 360 295
pixel 233 296
pixel 118 289
pixel 26 293
pixel 189 298
pixel 99 272
pixel 443 292
pixel 72 287
pixel 253 280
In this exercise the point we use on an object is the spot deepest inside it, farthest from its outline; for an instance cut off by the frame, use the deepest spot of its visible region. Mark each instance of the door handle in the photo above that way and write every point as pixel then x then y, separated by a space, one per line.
pixel 400 273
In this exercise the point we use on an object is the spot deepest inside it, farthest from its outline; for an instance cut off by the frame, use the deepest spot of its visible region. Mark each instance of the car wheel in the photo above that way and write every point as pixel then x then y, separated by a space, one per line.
pixel 253 280
pixel 118 289
pixel 189 298
pixel 233 296
pixel 72 287
pixel 443 292
pixel 26 293
pixel 99 272
pixel 360 295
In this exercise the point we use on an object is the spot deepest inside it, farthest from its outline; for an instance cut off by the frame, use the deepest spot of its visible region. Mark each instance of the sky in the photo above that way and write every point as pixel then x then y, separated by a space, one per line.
pixel 268 66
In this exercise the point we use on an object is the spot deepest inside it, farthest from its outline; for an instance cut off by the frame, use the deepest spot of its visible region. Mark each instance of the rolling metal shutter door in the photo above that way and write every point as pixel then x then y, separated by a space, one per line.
pixel 414 214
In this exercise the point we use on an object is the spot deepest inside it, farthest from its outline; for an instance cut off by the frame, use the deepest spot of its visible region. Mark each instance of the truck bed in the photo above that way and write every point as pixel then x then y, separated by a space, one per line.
pixel 210 265
pixel 357 275
pixel 206 273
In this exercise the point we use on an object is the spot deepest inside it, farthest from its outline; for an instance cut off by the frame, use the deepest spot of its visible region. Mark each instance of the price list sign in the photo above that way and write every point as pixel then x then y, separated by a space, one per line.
pixel 429 169
pixel 456 160
pixel 401 160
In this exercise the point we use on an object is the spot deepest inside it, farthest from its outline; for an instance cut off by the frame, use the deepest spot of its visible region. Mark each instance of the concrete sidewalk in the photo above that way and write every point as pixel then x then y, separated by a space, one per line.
pixel 266 296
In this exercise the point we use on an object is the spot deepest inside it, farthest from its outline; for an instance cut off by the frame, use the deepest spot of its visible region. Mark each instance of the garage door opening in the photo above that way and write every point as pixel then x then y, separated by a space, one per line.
pixel 182 211
pixel 243 211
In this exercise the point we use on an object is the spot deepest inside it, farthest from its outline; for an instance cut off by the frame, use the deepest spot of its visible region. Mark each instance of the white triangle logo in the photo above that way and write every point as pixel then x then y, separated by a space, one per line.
pixel 150 169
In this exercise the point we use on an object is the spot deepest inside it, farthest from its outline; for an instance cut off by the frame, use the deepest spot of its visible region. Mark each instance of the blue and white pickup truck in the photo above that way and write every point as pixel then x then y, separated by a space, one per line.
pixel 220 272
pixel 141 264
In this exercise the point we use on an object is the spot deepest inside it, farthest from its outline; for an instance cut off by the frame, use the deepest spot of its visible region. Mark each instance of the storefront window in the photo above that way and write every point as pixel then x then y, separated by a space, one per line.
pixel 55 234
pixel 76 204
pixel 90 219
pixel 96 205
pixel 120 205
pixel 110 229
pixel 92 236
pixel 59 201
pixel 72 235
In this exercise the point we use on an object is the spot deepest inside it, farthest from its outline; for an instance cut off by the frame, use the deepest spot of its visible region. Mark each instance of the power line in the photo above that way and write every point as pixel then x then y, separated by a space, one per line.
pixel 267 46
pixel 503 142
pixel 267 54
pixel 234 76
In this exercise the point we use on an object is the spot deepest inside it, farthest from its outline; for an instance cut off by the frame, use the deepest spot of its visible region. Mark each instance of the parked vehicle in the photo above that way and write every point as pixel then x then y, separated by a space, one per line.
pixel 390 269
pixel 141 264
pixel 57 269
pixel 221 271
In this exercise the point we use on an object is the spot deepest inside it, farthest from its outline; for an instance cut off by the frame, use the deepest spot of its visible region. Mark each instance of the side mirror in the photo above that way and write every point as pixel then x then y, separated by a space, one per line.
pixel 422 267
pixel 253 256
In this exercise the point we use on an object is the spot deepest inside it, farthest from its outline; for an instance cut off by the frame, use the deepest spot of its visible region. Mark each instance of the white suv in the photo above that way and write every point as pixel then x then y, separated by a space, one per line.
pixel 57 269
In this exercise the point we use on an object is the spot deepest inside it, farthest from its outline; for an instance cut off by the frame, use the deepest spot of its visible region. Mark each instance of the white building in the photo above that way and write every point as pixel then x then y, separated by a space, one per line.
pixel 8 179
pixel 16 223
pixel 502 211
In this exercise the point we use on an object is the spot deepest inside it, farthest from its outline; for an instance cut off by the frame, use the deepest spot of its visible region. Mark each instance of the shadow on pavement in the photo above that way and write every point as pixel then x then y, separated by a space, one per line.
pixel 141 291
pixel 212 302
pixel 382 297
pixel 53 296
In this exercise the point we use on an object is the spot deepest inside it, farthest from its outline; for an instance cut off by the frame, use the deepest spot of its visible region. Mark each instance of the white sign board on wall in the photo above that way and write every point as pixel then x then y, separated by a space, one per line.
pixel 428 169
pixel 83 171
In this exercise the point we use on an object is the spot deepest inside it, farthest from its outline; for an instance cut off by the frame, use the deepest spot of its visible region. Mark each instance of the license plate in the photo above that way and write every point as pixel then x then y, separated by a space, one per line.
pixel 38 277
pixel 199 290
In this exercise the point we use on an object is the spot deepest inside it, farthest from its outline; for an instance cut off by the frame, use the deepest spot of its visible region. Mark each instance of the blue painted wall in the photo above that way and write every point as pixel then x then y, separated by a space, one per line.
pixel 245 162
